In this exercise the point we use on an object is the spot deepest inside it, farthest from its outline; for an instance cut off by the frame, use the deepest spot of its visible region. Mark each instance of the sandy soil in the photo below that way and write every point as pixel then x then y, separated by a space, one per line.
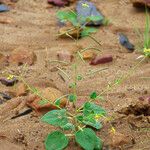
pixel 33 27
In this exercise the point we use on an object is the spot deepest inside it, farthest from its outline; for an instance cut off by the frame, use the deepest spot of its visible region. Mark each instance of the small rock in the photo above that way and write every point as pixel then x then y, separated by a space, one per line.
pixel 88 55
pixel 43 106
pixel 3 8
pixel 5 96
pixel 8 82
pixel 5 20
pixel 86 9
pixel 65 56
pixel 101 60
pixel 124 41
pixel 140 3
pixel 59 3
pixel 21 56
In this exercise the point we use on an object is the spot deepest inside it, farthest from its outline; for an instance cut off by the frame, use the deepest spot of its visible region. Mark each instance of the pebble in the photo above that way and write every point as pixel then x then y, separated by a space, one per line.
pixel 124 41
pixel 86 9
pixel 101 60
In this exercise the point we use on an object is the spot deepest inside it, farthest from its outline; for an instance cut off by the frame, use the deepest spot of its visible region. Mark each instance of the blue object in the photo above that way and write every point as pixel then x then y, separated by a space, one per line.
pixel 124 41
pixel 4 8
pixel 86 9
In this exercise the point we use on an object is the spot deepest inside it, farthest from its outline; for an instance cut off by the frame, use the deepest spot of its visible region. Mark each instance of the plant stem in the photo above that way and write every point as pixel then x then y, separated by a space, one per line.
pixel 85 49
pixel 122 79
pixel 63 72
pixel 57 61
pixel 93 38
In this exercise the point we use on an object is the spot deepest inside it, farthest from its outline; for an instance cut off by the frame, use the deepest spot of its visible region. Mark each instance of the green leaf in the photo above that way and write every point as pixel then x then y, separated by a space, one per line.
pixel 79 118
pixel 99 144
pixel 68 126
pixel 95 18
pixel 106 22
pixel 56 141
pixel 35 90
pixel 87 31
pixel 86 138
pixel 91 108
pixel 72 98
pixel 70 16
pixel 72 85
pixel 57 102
pixel 118 81
pixel 79 77
pixel 100 98
pixel 92 122
pixel 56 117
pixel 93 95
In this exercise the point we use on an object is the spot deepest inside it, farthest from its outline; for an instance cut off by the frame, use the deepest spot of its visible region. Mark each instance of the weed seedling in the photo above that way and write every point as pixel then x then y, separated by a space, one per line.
pixel 71 17
pixel 75 119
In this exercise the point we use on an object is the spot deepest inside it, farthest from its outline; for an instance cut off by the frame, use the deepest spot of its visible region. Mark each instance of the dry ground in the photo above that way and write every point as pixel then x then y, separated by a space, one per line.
pixel 33 27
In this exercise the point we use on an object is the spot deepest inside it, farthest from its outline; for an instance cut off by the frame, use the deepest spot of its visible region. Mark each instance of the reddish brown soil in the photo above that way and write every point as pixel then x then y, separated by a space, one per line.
pixel 33 27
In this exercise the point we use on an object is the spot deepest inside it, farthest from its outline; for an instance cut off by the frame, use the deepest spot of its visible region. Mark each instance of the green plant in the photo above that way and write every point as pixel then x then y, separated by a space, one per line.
pixel 75 119
pixel 147 32
pixel 146 50
pixel 71 16
pixel 145 38
pixel 79 120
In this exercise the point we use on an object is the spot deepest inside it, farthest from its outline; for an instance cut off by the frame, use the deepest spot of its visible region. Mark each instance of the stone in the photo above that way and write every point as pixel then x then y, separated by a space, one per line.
pixel 65 56
pixel 140 3
pixel 59 3
pixel 124 41
pixel 101 60
pixel 6 20
pixel 88 55
pixel 3 8
pixel 86 9
pixel 42 105
pixel 8 82
pixel 21 56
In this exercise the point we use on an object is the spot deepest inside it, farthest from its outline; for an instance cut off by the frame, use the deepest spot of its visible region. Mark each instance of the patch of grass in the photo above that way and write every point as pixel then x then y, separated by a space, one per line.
pixel 147 32
pixel 144 39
